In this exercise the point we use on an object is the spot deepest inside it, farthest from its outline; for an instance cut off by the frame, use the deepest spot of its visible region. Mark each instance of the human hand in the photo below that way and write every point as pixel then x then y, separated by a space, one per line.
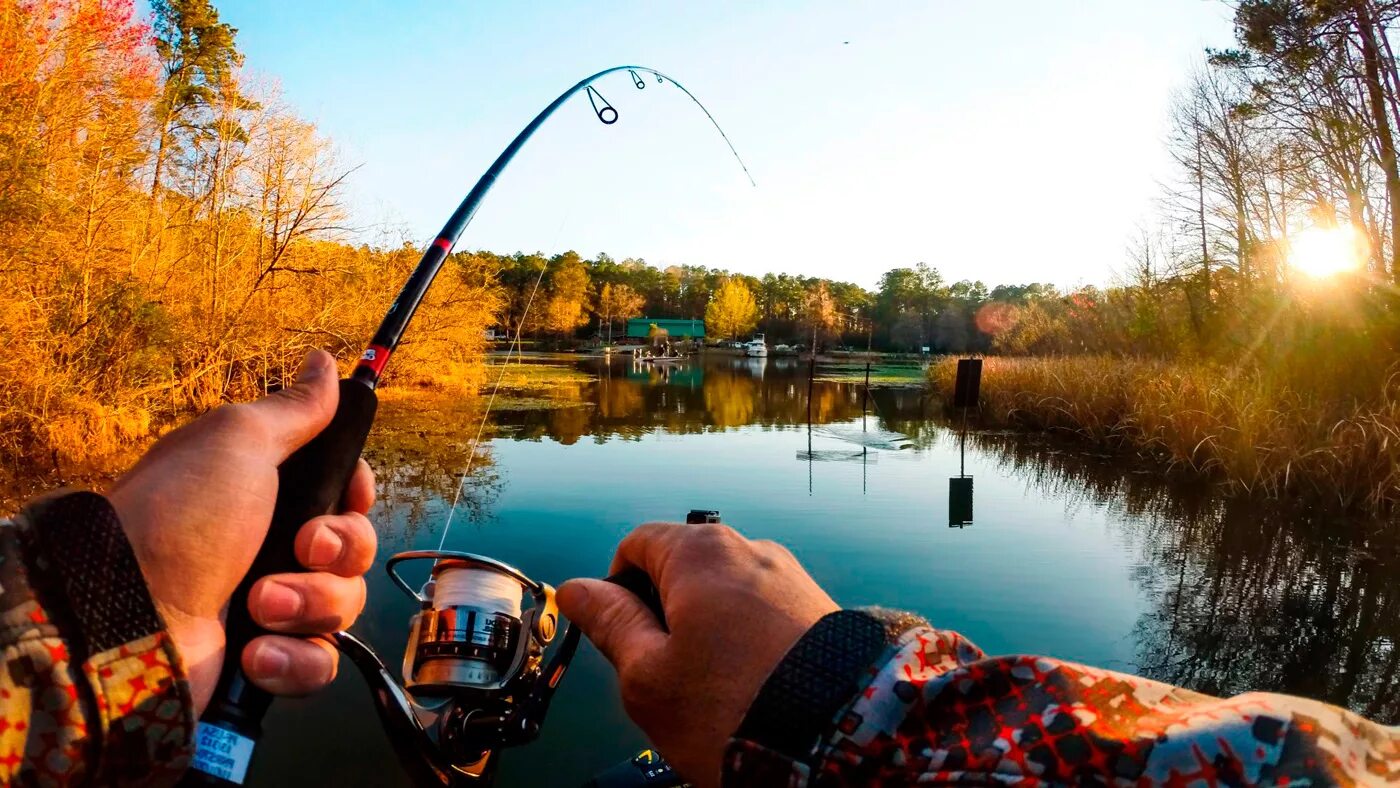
pixel 734 607
pixel 196 509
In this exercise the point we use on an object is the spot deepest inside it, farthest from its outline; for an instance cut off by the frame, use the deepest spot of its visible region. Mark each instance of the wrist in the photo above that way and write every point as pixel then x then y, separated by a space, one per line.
pixel 198 639
pixel 81 560
pixel 798 705
pixel 86 581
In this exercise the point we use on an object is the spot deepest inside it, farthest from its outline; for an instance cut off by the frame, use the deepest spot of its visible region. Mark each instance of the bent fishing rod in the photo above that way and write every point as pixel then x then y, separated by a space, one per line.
pixel 475 679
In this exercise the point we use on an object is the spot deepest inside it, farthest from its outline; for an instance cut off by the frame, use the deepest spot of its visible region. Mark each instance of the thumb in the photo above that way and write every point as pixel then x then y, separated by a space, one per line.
pixel 294 415
pixel 617 622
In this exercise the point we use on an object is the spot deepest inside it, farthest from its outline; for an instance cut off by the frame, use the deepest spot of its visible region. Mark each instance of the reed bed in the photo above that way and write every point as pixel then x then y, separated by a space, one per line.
pixel 1271 432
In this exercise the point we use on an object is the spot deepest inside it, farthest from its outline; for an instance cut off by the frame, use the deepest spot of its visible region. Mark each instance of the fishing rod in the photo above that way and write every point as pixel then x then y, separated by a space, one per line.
pixel 474 676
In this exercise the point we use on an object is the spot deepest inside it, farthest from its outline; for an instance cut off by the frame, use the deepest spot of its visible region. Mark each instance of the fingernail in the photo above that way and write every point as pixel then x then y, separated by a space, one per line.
pixel 326 547
pixel 312 367
pixel 271 661
pixel 278 603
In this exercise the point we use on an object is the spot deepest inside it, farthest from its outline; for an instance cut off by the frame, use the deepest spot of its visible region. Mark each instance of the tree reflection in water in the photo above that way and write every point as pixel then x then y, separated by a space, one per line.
pixel 418 449
pixel 1243 595
pixel 628 400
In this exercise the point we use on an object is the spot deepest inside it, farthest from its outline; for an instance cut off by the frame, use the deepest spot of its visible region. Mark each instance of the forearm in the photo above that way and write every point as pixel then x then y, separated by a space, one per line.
pixel 92 689
pixel 928 706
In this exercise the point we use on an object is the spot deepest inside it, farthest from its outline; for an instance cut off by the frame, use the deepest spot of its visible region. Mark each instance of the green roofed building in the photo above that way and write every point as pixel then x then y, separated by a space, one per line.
pixel 640 327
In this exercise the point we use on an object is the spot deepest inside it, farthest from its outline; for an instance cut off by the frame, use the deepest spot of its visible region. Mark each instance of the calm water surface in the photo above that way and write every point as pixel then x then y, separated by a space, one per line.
pixel 1078 556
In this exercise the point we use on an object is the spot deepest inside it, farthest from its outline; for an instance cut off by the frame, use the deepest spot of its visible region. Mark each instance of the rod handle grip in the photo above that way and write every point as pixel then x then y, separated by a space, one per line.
pixel 310 483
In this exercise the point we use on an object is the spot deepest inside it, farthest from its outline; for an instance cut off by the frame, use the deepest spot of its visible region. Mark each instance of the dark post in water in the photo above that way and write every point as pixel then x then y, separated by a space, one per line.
pixel 966 389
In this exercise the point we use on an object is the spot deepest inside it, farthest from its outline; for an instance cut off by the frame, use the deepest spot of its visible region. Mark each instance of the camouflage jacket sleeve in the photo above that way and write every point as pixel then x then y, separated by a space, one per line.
pixel 92 690
pixel 879 699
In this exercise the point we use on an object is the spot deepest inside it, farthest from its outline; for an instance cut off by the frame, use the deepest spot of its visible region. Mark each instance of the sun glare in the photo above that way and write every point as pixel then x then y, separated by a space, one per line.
pixel 1321 252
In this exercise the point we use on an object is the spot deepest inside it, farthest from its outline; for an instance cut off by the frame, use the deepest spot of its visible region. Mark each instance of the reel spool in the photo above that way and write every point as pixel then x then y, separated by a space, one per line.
pixel 470 634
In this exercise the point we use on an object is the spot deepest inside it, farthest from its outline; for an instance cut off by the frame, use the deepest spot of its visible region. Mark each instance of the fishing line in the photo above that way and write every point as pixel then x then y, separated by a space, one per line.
pixel 481 427
pixel 476 440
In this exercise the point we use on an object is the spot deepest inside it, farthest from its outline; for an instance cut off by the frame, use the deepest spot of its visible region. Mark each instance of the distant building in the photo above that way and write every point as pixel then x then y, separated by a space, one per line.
pixel 640 327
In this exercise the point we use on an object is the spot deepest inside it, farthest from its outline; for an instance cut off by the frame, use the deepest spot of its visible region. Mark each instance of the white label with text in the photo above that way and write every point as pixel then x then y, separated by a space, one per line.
pixel 221 752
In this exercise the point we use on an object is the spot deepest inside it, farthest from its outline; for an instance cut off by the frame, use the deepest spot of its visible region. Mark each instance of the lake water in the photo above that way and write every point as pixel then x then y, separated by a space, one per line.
pixel 1083 557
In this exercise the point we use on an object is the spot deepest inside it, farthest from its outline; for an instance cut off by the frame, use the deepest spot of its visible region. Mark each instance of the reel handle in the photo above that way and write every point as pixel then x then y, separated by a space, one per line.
pixel 309 483
pixel 639 583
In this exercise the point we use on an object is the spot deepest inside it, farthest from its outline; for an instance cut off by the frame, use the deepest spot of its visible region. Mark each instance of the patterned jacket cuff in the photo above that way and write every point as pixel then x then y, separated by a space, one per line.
pixel 83 569
pixel 796 709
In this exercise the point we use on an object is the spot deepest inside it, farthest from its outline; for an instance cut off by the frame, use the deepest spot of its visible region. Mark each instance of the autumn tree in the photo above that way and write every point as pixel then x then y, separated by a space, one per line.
pixel 199 60
pixel 618 301
pixel 732 310
pixel 566 308
pixel 1323 72
pixel 819 315
pixel 658 337
pixel 119 316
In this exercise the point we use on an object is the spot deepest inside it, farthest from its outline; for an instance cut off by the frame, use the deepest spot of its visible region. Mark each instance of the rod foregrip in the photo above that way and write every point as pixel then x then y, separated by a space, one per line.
pixel 310 483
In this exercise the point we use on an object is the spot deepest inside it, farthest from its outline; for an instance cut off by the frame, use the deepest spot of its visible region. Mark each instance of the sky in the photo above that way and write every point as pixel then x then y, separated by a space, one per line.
pixel 1007 142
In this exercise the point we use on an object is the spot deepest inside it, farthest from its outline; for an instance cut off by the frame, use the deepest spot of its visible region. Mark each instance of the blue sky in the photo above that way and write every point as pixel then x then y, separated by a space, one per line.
pixel 1009 142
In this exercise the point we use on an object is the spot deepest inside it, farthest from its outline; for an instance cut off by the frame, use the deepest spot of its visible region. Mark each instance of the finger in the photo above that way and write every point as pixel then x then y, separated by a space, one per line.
pixel 342 544
pixel 648 547
pixel 290 666
pixel 294 415
pixel 306 603
pixel 359 492
pixel 617 622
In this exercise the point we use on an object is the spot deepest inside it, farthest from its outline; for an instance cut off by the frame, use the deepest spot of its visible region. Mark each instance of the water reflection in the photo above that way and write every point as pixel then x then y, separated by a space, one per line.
pixel 1242 595
pixel 1076 555
pixel 629 399
pixel 420 450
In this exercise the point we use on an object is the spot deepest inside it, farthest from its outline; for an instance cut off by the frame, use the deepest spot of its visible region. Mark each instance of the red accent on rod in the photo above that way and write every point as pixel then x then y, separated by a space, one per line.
pixel 374 358
pixel 443 244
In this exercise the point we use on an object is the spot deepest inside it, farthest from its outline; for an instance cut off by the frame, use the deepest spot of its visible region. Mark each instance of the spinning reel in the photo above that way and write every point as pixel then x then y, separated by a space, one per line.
pixel 475 675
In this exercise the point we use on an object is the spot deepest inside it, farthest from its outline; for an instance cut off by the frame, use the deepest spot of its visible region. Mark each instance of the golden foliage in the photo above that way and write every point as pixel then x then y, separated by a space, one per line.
pixel 136 292
pixel 732 309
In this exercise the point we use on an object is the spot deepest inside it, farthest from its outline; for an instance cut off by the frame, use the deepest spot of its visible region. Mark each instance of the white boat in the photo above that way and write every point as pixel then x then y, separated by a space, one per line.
pixel 756 347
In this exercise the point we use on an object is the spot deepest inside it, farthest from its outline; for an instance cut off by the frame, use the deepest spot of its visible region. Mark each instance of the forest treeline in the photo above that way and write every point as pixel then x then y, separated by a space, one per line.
pixel 173 235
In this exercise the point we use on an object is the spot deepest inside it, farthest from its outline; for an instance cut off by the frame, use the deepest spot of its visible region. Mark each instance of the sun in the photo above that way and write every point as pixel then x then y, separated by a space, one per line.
pixel 1322 252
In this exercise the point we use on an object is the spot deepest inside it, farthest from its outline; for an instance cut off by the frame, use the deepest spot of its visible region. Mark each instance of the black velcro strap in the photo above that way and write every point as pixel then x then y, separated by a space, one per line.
pixel 820 674
pixel 85 554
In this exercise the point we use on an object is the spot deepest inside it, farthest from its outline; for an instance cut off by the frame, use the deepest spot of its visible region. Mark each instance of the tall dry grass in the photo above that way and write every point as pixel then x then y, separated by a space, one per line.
pixel 1302 431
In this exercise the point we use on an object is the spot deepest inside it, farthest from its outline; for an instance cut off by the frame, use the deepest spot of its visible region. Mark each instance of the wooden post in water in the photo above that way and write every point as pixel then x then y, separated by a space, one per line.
pixel 865 395
pixel 811 377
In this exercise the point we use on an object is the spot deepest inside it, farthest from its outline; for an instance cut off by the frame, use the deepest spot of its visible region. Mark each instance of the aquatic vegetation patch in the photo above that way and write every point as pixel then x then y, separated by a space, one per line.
pixel 519 403
pixel 552 381
pixel 880 374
